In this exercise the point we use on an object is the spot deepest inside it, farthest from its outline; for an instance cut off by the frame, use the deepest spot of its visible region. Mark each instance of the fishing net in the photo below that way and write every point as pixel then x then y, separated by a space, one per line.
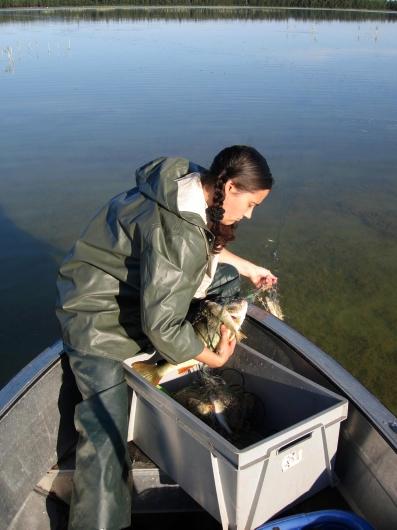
pixel 269 299
pixel 218 398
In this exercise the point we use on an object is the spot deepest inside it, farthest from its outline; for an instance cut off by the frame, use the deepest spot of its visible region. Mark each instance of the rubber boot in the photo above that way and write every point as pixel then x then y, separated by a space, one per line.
pixel 101 498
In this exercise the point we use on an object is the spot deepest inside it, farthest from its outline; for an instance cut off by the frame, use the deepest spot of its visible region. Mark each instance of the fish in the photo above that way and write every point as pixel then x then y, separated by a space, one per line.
pixel 226 408
pixel 208 398
pixel 154 373
pixel 212 315
pixel 206 325
pixel 272 303
pixel 269 299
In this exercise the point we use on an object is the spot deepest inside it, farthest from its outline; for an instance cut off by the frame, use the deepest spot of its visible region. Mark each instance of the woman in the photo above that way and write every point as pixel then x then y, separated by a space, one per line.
pixel 128 285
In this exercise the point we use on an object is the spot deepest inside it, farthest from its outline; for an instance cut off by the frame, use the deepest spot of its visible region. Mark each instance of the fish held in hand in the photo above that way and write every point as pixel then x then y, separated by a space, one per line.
pixel 268 298
pixel 272 303
pixel 207 324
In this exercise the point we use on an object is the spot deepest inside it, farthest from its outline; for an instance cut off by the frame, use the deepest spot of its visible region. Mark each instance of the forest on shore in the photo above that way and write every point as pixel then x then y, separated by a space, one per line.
pixel 384 5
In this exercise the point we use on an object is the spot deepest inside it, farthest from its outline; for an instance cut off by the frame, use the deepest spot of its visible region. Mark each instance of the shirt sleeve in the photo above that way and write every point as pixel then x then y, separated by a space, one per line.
pixel 172 267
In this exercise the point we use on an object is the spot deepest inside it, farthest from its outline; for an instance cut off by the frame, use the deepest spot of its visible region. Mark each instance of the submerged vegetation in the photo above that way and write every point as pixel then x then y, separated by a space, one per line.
pixel 327 4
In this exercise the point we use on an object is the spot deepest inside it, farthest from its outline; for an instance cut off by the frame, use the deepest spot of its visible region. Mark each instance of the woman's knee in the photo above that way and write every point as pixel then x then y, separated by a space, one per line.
pixel 93 373
pixel 226 283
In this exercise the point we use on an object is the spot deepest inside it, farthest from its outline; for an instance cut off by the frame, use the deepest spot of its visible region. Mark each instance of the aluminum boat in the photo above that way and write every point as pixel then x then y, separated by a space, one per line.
pixel 38 440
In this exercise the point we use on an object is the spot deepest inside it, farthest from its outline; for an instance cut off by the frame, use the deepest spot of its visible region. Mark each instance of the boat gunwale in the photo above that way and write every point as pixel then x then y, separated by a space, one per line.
pixel 20 384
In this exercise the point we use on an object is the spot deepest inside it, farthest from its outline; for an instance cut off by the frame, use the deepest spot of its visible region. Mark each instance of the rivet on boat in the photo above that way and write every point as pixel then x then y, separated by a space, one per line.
pixel 393 426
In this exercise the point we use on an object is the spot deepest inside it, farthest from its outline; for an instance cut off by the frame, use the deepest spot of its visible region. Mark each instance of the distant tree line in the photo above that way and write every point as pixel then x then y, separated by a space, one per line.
pixel 196 14
pixel 331 4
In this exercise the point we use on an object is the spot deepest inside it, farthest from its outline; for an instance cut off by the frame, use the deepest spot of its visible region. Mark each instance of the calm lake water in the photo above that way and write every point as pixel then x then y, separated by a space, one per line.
pixel 88 96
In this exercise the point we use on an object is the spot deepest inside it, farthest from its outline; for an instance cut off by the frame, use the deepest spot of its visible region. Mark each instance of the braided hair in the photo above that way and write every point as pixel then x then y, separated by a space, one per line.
pixel 249 171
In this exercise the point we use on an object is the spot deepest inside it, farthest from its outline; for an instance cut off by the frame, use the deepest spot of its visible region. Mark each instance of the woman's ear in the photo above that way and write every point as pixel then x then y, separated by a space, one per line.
pixel 229 186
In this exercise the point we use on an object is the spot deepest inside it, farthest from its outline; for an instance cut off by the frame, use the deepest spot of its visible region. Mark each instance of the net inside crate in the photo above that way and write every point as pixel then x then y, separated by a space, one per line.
pixel 242 488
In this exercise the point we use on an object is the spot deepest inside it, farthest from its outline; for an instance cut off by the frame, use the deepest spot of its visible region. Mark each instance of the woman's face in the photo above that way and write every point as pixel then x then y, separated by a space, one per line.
pixel 239 204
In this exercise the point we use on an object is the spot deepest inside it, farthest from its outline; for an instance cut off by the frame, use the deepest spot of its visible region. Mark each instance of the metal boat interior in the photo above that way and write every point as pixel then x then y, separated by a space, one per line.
pixel 38 441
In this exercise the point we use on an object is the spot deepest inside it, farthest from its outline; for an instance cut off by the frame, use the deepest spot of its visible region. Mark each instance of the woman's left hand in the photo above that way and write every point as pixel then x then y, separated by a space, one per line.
pixel 262 277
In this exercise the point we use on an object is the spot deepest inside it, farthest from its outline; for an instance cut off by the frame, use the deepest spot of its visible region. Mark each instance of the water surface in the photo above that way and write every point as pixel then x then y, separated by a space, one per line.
pixel 87 96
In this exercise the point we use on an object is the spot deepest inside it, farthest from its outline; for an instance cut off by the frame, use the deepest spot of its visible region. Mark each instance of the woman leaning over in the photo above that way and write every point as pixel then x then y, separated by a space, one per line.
pixel 143 263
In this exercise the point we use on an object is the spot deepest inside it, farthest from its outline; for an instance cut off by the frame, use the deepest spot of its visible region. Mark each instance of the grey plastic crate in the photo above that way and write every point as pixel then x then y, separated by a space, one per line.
pixel 243 488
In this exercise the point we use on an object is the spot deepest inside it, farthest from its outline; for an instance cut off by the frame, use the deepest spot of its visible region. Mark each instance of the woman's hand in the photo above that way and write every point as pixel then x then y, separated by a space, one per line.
pixel 224 351
pixel 225 348
pixel 262 277
pixel 259 276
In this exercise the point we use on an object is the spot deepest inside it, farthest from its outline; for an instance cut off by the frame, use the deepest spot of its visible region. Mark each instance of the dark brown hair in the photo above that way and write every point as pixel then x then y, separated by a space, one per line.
pixel 249 171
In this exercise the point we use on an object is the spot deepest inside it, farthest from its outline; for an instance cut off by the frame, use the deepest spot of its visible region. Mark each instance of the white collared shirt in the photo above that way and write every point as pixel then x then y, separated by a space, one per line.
pixel 191 199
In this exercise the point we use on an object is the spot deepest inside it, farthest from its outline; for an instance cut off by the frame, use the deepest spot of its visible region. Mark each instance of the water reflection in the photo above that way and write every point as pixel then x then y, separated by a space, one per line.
pixel 9 54
pixel 28 269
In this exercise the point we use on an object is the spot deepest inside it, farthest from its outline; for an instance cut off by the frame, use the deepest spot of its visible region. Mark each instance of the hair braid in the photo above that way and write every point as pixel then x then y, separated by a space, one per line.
pixel 222 233
pixel 216 211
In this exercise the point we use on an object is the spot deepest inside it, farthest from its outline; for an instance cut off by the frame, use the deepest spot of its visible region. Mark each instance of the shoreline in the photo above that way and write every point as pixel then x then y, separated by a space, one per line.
pixel 127 7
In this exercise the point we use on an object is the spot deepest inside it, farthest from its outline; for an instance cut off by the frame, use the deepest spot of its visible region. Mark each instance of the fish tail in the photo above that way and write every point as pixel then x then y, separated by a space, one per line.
pixel 148 372
pixel 154 373
pixel 240 336
pixel 185 369
pixel 219 409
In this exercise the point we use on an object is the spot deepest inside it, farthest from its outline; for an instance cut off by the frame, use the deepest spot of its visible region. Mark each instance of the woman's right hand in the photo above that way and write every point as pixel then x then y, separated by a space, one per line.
pixel 225 348
pixel 224 351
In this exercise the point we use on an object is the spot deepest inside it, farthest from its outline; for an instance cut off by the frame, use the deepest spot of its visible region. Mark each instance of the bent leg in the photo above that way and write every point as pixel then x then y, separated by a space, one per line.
pixel 226 284
pixel 101 497
pixel 224 288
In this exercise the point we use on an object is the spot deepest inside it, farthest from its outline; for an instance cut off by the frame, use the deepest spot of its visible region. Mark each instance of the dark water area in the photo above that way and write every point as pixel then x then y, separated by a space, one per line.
pixel 87 96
